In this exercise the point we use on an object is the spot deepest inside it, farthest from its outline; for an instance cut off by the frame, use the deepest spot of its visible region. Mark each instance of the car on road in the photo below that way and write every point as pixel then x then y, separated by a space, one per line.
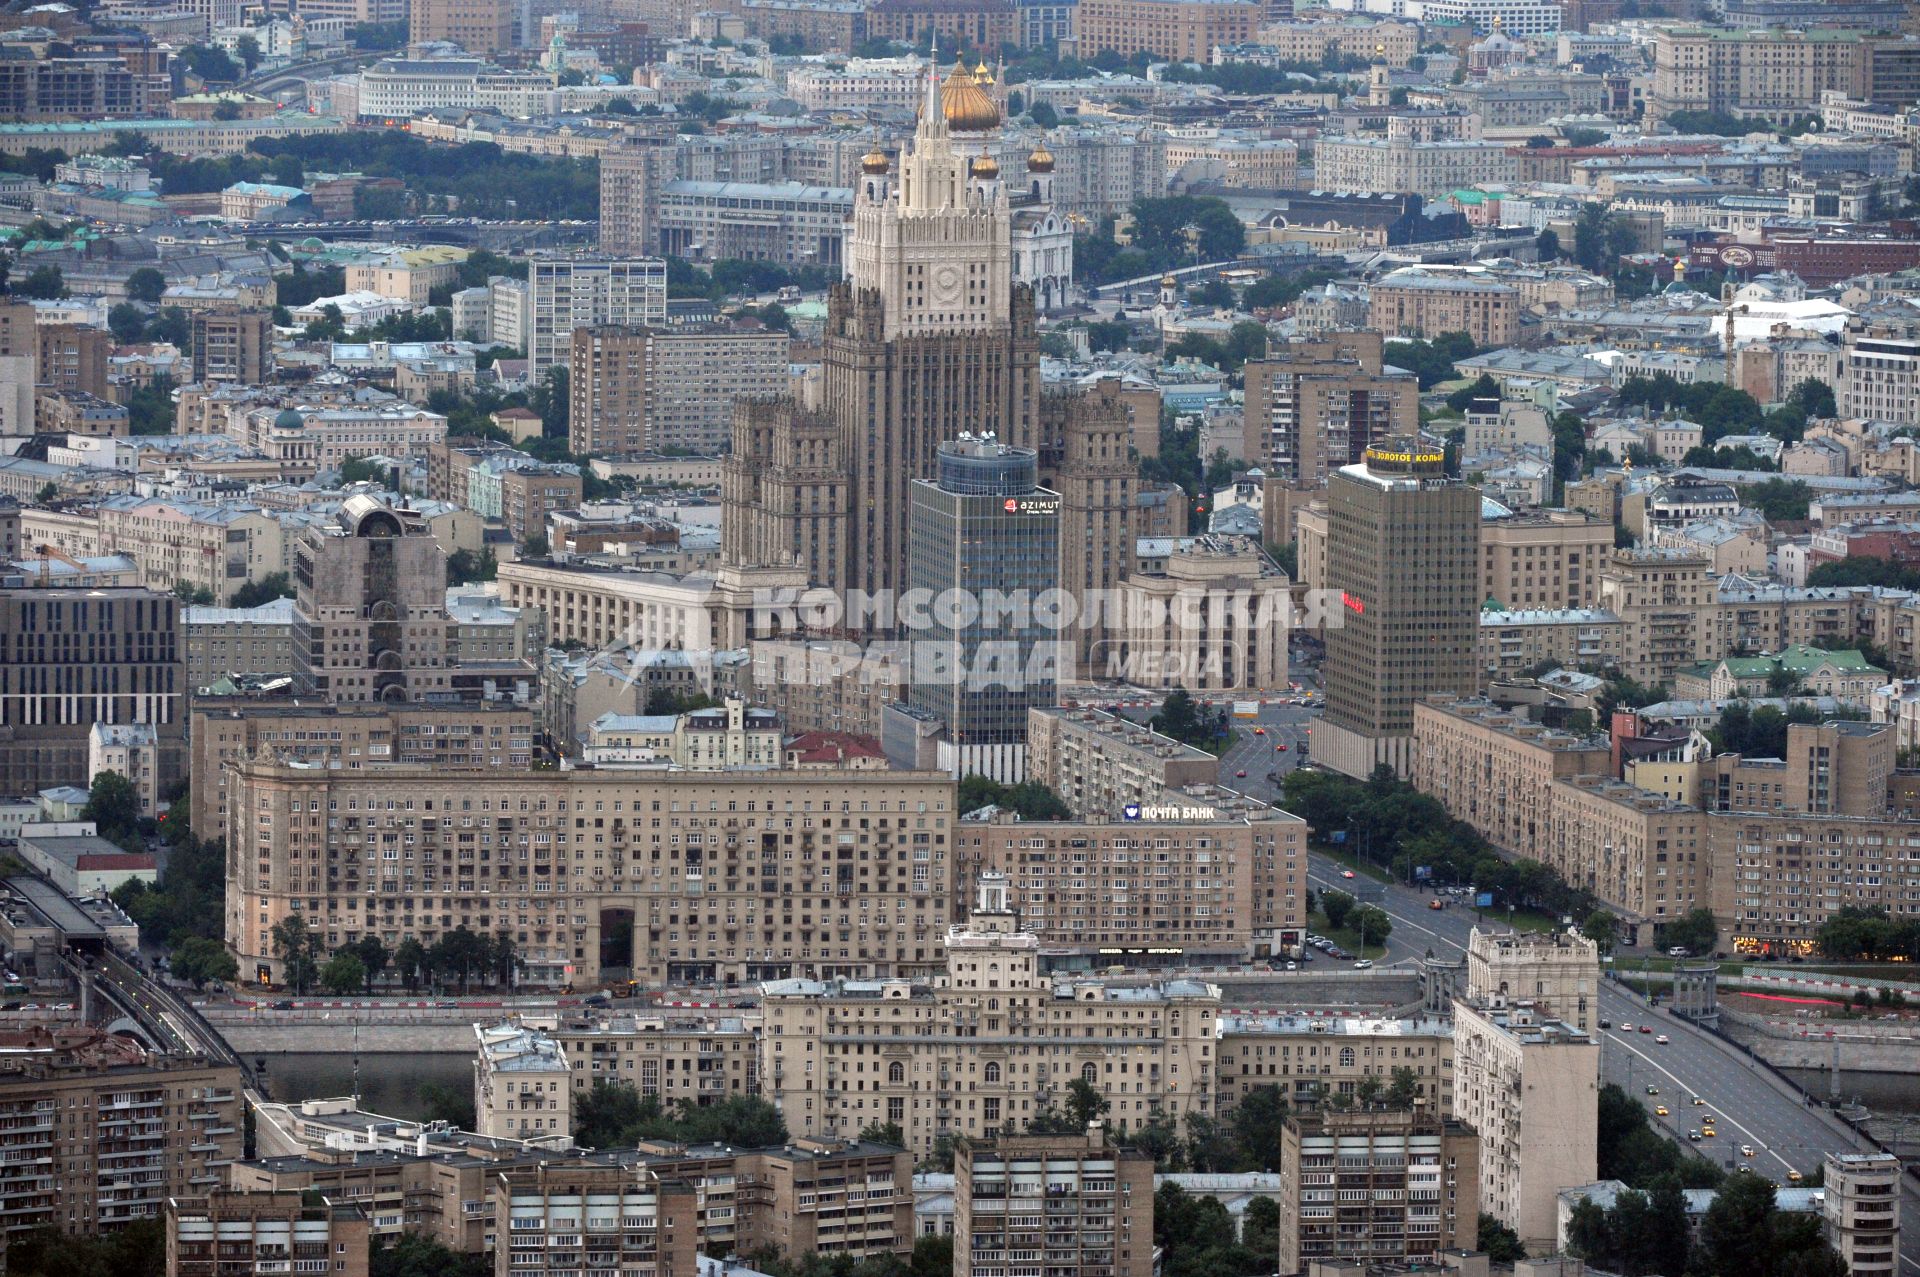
pixel 1606 1024
pixel 1707 1132
pixel 1346 873
pixel 283 1005
pixel 1240 775
pixel 1626 1026
pixel 1435 903
pixel 1363 964
pixel 446 1006
pixel 1698 1101
pixel 1694 1136
pixel 1660 1110
pixel 1708 1119
pixel 1746 1150
pixel 1259 731
pixel 1663 1039
pixel 1646 1028
pixel 1793 1177
pixel 1653 1090
pixel 1281 748
pixel 1293 966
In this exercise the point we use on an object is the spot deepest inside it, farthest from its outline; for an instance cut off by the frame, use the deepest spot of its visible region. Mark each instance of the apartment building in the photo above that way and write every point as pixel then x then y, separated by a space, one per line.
pixel 96 1132
pixel 268 1232
pixel 1558 972
pixel 584 858
pixel 1544 559
pixel 305 440
pixel 1376 1187
pixel 672 1055
pixel 1529 1087
pixel 1309 1057
pixel 1082 1202
pixel 1314 405
pixel 1513 642
pixel 1769 76
pixel 1493 769
pixel 638 389
pixel 370 607
pixel 1880 373
pixel 216 548
pixel 227 640
pixel 1180 30
pixel 1369 165
pixel 522 1084
pixel 581 292
pixel 569 1219
pixel 481 27
pixel 994 1042
pixel 1420 302
pixel 1190 887
pixel 1101 764
pixel 1664 596
pixel 73 357
pixel 78 657
pixel 495 736
pixel 232 345
pixel 1861 1211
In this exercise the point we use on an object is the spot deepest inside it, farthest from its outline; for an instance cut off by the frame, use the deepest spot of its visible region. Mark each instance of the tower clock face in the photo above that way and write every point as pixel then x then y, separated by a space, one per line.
pixel 946 284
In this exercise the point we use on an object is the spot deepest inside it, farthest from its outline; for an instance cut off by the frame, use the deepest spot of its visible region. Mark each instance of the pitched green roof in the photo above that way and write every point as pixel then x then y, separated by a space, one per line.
pixel 1802 659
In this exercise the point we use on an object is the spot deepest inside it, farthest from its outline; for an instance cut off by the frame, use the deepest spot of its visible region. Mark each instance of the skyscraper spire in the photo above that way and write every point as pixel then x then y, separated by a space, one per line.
pixel 932 116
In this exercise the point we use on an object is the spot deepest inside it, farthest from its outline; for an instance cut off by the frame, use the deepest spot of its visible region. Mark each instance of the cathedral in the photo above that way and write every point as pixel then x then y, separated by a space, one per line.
pixel 931 335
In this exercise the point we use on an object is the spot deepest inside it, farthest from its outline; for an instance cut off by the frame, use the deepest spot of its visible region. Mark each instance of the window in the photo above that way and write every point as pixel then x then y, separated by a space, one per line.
pixel 896 1072
pixel 993 1073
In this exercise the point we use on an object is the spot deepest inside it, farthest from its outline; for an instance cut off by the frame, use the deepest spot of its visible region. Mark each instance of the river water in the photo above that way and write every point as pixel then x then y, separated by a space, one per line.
pixel 390 1084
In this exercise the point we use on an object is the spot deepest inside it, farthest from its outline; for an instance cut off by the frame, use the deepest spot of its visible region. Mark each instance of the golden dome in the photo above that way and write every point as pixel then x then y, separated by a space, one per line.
pixel 1041 161
pixel 986 168
pixel 874 162
pixel 967 107
pixel 1168 281
pixel 981 75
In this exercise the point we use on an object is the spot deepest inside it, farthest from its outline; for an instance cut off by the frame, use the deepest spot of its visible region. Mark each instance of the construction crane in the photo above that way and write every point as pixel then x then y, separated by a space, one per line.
pixel 47 555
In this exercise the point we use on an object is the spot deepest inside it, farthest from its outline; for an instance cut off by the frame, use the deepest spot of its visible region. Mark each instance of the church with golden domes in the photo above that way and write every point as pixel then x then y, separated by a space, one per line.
pixel 932 334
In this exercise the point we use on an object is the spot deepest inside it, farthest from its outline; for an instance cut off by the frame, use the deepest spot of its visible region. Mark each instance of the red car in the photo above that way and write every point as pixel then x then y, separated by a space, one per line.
pixel 1240 775
pixel 1280 748
pixel 1646 1028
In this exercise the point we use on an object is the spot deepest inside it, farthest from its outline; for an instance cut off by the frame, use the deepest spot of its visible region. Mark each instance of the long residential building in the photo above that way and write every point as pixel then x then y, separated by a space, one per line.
pixel 96 1132
pixel 640 389
pixel 1101 763
pixel 994 1042
pixel 1380 1186
pixel 581 292
pixel 1192 887
pixel 1310 1057
pixel 775 857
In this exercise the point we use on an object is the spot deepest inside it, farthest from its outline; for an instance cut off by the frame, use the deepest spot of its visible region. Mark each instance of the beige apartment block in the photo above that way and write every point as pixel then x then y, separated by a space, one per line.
pixel 995 1041
pixel 522 1084
pixel 675 1056
pixel 106 1131
pixel 1511 643
pixel 1100 763
pixel 1081 1200
pixel 1665 597
pixel 1222 884
pixel 639 389
pixel 1544 559
pixel 1861 1209
pixel 1559 973
pixel 329 844
pixel 267 1232
pixel 1376 1187
pixel 1307 1057
pixel 1314 405
pixel 1529 1086
pixel 1769 76
pixel 1419 302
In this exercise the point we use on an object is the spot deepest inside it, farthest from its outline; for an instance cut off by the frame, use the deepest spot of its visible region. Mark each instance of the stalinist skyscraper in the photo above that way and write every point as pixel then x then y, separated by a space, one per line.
pixel 929 337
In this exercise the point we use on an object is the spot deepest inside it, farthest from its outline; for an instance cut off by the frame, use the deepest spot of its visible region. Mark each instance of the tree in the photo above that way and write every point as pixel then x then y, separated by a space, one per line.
pixel 45 283
pixel 1336 905
pixel 373 955
pixel 1403 1088
pixel 883 1133
pixel 444 1104
pixel 344 973
pixel 298 950
pixel 1184 719
pixel 127 322
pixel 410 960
pixel 1602 928
pixel 146 284
pixel 1258 1122
pixel 137 1249
pixel 1260 1226
pixel 932 1256
pixel 198 959
pixel 1736 1233
pixel 535 546
pixel 414 1255
pixel 1781 499
pixel 274 585
pixel 1043 114
pixel 1500 1243
pixel 1695 930
pixel 1370 923
pixel 359 470
pixel 113 805
pixel 1084 1103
